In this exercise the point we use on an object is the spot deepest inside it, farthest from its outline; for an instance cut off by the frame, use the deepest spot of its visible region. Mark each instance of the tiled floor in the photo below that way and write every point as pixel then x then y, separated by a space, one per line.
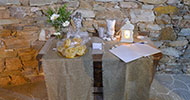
pixel 164 87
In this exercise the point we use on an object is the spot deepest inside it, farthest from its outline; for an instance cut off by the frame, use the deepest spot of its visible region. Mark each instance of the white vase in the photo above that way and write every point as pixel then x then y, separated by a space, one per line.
pixel 111 27
pixel 101 32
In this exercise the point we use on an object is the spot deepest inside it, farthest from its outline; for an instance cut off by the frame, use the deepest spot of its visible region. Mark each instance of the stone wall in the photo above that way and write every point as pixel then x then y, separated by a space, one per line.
pixel 166 22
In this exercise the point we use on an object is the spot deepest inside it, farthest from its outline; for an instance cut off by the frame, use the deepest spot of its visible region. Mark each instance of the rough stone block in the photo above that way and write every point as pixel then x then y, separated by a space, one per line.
pixel 185 23
pixel 29 35
pixel 27 54
pixel 1 28
pixel 7 53
pixel 31 63
pixel 2 45
pixel 185 32
pixel 24 2
pixel 29 28
pixel 4 14
pixel 88 23
pixel 187 52
pixel 18 43
pixel 154 34
pixel 10 53
pixel 153 1
pixel 178 43
pixel 129 0
pixel 17 80
pixel 13 63
pixel 5 33
pixel 26 57
pixel 8 21
pixel 110 5
pixel 142 26
pixel 101 23
pixel 110 14
pixel 187 16
pixel 35 78
pixel 85 5
pixel 167 34
pixel 42 2
pixel 19 12
pixel 64 0
pixel 4 81
pixel 29 72
pixel 166 10
pixel 98 7
pixel 153 27
pixel 147 6
pixel 187 2
pixel 25 51
pixel 109 0
pixel 128 5
pixel 171 52
pixel 73 4
pixel 12 72
pixel 138 15
pixel 8 2
pixel 2 53
pixel 2 65
pixel 163 19
pixel 86 13
pixel 173 1
pixel 2 8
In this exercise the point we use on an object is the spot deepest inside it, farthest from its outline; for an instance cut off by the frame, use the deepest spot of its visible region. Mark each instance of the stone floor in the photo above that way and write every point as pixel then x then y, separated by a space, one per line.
pixel 170 87
pixel 164 87
pixel 34 91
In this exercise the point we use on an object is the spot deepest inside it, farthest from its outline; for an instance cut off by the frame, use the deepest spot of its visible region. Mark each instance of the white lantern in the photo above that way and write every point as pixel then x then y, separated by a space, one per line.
pixel 127 32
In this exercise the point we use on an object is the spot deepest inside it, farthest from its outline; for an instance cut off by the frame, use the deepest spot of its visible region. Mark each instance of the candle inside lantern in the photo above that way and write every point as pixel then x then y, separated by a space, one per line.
pixel 126 34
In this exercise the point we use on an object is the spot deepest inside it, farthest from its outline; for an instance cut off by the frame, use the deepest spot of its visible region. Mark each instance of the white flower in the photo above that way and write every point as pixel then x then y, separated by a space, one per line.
pixel 66 23
pixel 54 17
pixel 57 33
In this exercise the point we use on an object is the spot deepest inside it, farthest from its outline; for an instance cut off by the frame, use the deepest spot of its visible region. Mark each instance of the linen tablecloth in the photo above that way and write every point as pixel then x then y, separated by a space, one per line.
pixel 72 79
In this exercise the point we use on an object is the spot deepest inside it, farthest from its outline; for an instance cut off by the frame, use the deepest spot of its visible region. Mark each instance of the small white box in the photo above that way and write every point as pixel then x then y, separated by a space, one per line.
pixel 97 46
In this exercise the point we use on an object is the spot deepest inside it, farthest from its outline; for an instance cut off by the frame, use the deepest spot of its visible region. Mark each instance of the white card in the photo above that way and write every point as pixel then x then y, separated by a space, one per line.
pixel 97 46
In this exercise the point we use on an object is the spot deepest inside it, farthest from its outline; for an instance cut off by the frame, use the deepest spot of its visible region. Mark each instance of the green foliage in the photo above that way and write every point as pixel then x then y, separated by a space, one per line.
pixel 65 15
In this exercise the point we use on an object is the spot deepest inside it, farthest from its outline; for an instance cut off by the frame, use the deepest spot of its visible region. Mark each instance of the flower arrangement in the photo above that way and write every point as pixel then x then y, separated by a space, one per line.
pixel 59 18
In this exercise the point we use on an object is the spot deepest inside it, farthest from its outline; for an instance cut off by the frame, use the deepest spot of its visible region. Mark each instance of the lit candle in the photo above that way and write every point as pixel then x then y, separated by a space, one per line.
pixel 126 34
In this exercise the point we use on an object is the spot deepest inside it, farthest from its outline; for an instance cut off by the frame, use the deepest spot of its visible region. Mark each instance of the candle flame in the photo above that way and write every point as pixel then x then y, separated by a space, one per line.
pixel 126 34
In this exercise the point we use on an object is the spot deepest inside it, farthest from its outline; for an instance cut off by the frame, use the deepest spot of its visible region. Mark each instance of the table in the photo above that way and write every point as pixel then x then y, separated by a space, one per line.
pixel 72 79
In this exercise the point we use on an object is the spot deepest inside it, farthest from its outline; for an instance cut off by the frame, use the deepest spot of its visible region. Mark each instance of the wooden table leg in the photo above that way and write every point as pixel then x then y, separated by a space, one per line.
pixel 156 58
pixel 98 77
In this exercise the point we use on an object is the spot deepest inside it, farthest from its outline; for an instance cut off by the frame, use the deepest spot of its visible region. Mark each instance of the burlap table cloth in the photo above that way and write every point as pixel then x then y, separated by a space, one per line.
pixel 72 79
